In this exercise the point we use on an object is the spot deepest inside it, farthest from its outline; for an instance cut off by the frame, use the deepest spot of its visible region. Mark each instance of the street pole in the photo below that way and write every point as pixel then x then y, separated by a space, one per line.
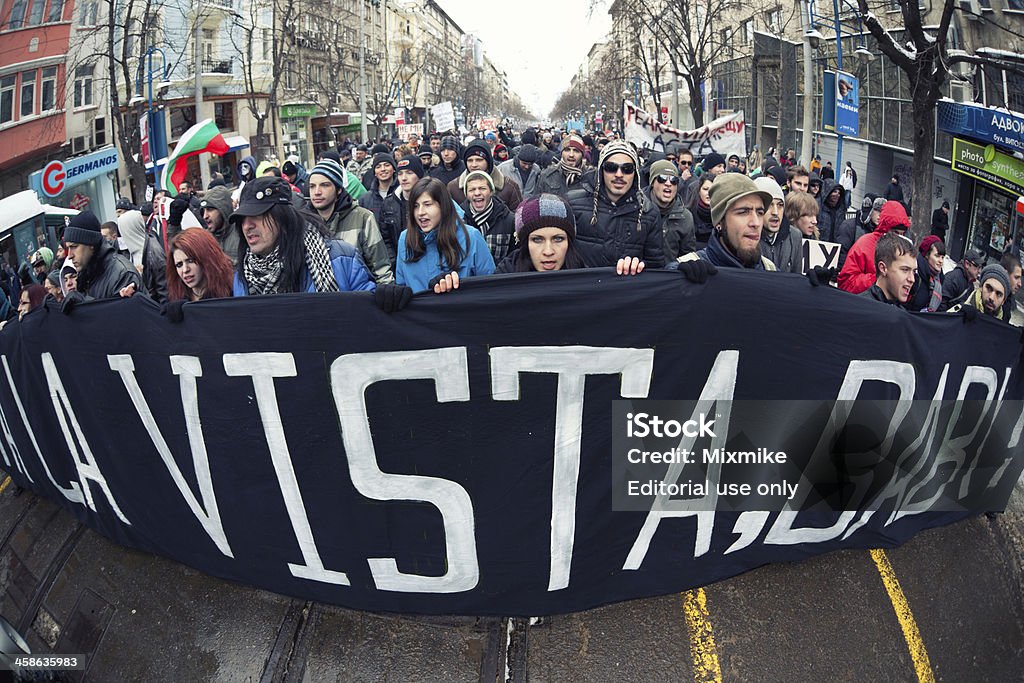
pixel 204 159
pixel 808 111
pixel 362 70
pixel 839 67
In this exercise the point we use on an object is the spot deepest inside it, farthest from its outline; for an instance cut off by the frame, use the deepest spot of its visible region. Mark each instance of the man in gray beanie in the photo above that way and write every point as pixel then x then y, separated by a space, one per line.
pixel 988 298
pixel 102 272
pixel 614 215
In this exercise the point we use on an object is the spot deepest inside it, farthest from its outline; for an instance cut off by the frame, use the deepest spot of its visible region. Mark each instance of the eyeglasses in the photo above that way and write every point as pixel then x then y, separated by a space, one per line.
pixel 684 162
pixel 664 178
pixel 610 167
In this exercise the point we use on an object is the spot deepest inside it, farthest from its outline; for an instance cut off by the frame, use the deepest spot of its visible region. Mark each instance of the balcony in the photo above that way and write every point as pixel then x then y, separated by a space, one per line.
pixel 217 66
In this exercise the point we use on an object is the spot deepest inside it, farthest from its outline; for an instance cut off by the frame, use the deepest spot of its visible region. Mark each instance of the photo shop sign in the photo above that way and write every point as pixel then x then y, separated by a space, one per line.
pixel 725 135
pixel 457 457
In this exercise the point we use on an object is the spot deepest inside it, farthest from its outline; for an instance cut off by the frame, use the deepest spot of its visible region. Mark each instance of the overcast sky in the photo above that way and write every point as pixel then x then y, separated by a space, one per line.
pixel 539 43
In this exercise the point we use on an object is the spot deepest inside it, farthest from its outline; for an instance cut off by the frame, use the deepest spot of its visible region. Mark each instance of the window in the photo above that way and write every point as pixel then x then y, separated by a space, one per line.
pixel 28 93
pixel 747 32
pixel 48 89
pixel 17 19
pixel 208 45
pixel 87 17
pixel 83 86
pixel 56 12
pixel 267 43
pixel 289 80
pixel 6 99
pixel 99 129
pixel 224 115
pixel 35 12
pixel 1016 5
pixel 774 19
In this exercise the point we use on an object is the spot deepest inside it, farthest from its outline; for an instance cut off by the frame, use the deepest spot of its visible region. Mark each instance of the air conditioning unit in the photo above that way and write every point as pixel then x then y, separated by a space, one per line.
pixel 960 91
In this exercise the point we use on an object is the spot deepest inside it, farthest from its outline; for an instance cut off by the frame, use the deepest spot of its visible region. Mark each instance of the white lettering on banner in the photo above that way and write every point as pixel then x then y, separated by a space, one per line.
pixel 263 368
pixel 820 253
pixel 952 450
pixel 15 453
pixel 572 364
pixel 351 375
pixel 188 368
pixel 88 470
pixel 966 482
pixel 718 389
pixel 900 374
pixel 73 492
pixel 724 135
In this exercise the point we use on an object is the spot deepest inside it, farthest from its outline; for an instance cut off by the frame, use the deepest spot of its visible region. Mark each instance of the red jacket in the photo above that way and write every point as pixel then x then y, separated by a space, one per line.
pixel 858 273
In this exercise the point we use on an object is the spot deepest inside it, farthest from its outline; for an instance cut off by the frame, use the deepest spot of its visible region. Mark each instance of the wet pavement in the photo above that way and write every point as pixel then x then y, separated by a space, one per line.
pixel 138 617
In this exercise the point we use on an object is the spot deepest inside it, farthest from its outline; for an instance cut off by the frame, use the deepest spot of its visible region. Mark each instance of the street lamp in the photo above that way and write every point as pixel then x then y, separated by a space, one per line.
pixel 154 124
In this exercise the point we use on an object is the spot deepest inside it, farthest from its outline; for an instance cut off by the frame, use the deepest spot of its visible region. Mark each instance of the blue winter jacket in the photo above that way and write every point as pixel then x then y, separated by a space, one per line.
pixel 349 271
pixel 476 259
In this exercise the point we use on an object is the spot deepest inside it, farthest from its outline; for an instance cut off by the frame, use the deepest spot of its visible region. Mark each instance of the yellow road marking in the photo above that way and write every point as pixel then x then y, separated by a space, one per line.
pixel 922 666
pixel 702 638
pixel 5 484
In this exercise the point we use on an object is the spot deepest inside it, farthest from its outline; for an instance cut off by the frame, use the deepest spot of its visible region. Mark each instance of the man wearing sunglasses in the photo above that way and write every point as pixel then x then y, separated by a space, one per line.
pixel 615 216
pixel 675 220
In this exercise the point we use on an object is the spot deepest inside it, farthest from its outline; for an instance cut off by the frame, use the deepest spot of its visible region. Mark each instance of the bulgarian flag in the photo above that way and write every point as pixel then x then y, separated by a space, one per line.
pixel 202 137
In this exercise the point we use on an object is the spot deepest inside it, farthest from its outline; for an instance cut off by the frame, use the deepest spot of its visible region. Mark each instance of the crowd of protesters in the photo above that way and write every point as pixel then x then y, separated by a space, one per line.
pixel 416 216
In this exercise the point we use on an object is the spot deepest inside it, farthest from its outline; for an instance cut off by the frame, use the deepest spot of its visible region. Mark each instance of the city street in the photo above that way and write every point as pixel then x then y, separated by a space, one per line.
pixel 946 606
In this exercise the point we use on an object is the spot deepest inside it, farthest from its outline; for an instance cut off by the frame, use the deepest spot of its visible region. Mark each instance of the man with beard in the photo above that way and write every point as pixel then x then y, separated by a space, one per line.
pixel 486 212
pixel 895 264
pixel 675 220
pixel 102 272
pixel 217 208
pixel 615 217
pixel 988 298
pixel 781 243
pixel 737 211
pixel 561 177
pixel 346 221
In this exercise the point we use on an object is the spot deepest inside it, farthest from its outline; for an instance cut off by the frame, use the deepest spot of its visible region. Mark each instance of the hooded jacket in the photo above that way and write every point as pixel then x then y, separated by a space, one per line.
pixel 219 198
pixel 445 174
pixel 852 229
pixel 107 274
pixel 476 259
pixel 511 172
pixel 784 248
pixel 858 273
pixel 830 218
pixel 252 169
pixel 676 224
pixel 508 193
pixel 132 227
pixel 628 228
pixel 356 226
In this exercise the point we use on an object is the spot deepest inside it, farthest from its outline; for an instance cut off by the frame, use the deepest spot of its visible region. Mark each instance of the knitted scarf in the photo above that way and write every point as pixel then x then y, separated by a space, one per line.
pixel 571 173
pixel 263 273
pixel 482 220
pixel 935 300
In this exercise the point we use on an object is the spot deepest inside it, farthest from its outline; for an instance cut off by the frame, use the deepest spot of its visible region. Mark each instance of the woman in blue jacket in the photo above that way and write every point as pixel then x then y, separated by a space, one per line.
pixel 437 243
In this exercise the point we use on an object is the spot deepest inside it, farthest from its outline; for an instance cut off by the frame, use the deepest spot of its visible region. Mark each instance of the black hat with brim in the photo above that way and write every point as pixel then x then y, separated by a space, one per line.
pixel 261 195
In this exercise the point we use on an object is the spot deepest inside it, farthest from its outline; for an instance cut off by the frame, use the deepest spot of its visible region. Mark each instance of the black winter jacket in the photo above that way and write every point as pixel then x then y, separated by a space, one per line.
pixel 372 199
pixel 829 218
pixel 392 222
pixel 500 235
pixel 676 226
pixel 629 228
pixel 107 274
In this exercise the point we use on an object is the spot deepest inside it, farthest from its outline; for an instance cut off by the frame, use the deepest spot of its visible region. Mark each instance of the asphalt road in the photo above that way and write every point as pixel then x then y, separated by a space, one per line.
pixel 946 606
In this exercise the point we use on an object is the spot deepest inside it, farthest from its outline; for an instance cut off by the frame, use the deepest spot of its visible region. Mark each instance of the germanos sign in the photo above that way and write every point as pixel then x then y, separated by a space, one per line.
pixel 989 166
pixel 58 175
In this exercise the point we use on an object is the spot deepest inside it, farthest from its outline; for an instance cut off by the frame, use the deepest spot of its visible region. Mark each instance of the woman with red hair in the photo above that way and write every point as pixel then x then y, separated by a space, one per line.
pixel 198 268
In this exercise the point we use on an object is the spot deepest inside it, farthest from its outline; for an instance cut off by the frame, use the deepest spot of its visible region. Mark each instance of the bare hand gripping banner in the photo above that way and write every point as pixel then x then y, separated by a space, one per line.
pixel 457 457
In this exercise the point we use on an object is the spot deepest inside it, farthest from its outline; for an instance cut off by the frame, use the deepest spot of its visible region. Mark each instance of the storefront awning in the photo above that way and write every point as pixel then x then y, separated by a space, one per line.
pixel 235 142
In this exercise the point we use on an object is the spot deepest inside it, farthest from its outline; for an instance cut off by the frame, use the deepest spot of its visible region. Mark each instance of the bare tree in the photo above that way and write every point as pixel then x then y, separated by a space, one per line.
pixel 923 55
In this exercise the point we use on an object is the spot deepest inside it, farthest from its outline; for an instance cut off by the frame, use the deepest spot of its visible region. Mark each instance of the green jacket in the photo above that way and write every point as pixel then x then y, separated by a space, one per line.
pixel 355 225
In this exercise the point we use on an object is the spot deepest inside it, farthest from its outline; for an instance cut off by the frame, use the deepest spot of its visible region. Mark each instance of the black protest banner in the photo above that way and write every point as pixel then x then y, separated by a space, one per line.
pixel 456 457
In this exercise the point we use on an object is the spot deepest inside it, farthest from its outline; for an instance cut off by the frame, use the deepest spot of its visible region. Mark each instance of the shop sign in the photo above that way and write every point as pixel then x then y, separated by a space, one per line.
pixel 58 175
pixel 999 127
pixel 298 111
pixel 989 166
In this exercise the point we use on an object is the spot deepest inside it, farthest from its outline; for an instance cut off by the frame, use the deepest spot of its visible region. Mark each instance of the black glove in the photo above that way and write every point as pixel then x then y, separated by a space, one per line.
pixel 391 298
pixel 178 208
pixel 820 275
pixel 697 270
pixel 970 313
pixel 70 301
pixel 174 310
